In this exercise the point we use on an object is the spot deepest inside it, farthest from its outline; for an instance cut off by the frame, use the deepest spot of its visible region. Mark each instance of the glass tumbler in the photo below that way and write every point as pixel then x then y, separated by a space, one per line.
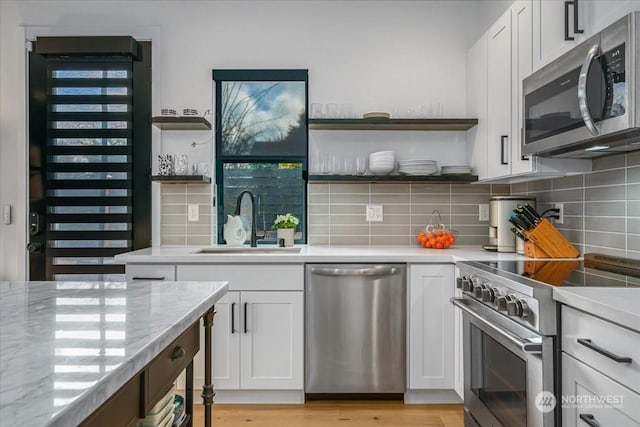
pixel 361 165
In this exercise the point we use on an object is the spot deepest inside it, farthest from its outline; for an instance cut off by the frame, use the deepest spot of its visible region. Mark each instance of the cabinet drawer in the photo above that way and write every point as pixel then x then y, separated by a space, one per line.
pixel 120 410
pixel 165 368
pixel 587 393
pixel 597 335
pixel 151 272
pixel 243 277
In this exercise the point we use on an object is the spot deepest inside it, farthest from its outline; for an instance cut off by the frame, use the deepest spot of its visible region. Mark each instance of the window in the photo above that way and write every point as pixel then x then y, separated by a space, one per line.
pixel 89 157
pixel 261 145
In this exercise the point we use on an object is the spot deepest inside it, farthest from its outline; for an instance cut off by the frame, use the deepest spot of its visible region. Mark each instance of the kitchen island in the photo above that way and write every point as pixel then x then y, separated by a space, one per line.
pixel 86 353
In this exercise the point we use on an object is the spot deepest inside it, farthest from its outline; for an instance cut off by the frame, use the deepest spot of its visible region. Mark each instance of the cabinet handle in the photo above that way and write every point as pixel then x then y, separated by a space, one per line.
pixel 587 343
pixel 178 352
pixel 576 28
pixel 503 160
pixel 233 317
pixel 245 317
pixel 147 278
pixel 566 21
pixel 590 420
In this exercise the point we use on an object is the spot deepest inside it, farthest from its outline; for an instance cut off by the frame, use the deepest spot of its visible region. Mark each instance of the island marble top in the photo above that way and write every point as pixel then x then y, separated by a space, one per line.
pixel 66 347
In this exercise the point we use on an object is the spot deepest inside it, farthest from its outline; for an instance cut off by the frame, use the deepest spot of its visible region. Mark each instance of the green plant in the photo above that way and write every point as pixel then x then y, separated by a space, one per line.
pixel 285 221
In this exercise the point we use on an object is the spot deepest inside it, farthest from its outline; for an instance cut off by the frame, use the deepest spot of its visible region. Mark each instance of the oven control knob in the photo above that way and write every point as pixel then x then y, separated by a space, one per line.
pixel 512 308
pixel 502 302
pixel 518 308
pixel 490 294
pixel 477 291
pixel 467 285
pixel 525 308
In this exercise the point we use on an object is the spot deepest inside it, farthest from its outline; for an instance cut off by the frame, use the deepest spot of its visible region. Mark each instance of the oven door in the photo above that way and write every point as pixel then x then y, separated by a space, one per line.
pixel 506 367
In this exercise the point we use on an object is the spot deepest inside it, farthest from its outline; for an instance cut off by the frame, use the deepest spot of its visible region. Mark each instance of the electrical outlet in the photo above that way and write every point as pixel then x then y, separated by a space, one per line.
pixel 374 213
pixel 483 212
pixel 560 219
pixel 193 213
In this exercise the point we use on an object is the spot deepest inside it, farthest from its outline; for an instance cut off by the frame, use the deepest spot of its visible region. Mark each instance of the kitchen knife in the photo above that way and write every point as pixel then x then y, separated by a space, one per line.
pixel 519 234
pixel 527 207
pixel 519 224
pixel 524 220
pixel 527 214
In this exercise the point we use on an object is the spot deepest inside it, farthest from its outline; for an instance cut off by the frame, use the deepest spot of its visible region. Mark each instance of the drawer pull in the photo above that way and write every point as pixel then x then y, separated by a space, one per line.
pixel 587 343
pixel 245 318
pixel 233 318
pixel 147 278
pixel 590 420
pixel 178 353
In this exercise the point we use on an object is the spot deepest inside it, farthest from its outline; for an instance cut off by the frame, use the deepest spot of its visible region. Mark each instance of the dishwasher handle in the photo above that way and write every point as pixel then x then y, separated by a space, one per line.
pixel 366 272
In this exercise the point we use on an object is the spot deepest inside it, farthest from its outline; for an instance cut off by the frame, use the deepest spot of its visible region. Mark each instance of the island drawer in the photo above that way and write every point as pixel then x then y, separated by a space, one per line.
pixel 605 346
pixel 121 409
pixel 244 277
pixel 165 368
pixel 150 272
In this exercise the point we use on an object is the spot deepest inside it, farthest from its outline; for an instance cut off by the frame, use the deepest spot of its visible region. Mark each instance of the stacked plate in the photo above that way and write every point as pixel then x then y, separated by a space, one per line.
pixel 382 162
pixel 418 167
pixel 456 170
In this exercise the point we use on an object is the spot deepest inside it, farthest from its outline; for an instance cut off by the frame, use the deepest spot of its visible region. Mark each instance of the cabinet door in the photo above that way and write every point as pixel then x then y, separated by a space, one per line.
pixel 603 13
pixel 499 97
pixel 549 29
pixel 272 341
pixel 581 383
pixel 226 343
pixel 431 326
pixel 477 106
pixel 521 62
pixel 458 345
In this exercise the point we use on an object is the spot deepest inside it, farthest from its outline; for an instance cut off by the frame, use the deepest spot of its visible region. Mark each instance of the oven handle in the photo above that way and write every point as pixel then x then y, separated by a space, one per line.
pixel 525 346
pixel 582 90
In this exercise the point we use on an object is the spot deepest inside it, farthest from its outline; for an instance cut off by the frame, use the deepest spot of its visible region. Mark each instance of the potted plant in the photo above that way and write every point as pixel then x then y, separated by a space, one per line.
pixel 286 227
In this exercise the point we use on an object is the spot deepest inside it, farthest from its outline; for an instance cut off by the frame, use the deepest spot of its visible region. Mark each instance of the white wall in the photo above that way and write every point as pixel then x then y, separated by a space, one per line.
pixel 377 55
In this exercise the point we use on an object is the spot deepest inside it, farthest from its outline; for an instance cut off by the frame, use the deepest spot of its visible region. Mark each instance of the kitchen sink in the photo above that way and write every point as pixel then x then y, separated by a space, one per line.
pixel 248 250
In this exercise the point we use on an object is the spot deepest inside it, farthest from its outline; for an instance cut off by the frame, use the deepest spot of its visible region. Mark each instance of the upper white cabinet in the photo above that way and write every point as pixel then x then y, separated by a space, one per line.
pixel 558 26
pixel 431 326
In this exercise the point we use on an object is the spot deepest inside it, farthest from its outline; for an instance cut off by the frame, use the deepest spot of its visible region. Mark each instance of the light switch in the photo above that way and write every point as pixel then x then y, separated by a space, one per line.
pixel 483 212
pixel 193 213
pixel 374 213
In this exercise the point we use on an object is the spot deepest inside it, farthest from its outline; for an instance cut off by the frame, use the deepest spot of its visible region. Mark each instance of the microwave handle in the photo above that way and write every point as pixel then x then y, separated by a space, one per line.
pixel 582 91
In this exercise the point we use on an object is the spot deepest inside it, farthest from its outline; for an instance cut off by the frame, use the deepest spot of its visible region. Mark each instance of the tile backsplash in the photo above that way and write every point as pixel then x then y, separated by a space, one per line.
pixel 175 229
pixel 601 209
pixel 337 211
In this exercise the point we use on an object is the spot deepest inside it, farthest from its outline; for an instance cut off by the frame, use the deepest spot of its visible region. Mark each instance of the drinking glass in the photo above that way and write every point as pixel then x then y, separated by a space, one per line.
pixel 361 165
pixel 348 166
pixel 325 163
pixel 332 111
pixel 316 110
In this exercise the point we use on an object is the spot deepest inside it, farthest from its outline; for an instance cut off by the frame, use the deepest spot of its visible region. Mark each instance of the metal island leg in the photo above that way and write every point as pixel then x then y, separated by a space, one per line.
pixel 207 388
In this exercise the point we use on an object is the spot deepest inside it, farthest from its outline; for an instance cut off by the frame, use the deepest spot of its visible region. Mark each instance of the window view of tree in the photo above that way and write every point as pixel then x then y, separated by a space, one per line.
pixel 260 117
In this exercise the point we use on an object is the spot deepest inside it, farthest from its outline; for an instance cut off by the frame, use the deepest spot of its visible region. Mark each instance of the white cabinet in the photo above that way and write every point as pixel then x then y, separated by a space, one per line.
pixel 258 334
pixel 499 96
pixel 150 272
pixel 603 13
pixel 476 80
pixel 554 23
pixel 458 345
pixel 431 326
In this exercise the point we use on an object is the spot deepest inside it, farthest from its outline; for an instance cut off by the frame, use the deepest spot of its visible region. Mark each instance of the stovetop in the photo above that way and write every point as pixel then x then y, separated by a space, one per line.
pixel 596 270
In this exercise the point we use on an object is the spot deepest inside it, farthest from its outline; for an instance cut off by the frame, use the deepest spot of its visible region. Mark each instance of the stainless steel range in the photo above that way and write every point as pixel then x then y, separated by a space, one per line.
pixel 510 327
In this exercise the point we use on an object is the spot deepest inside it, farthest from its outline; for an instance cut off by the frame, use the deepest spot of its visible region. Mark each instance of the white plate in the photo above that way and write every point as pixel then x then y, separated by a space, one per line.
pixel 376 115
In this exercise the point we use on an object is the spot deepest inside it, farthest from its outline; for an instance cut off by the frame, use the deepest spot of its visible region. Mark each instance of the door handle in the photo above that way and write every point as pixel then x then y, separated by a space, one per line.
pixel 567 37
pixel 245 317
pixel 34 223
pixel 587 343
pixel 503 160
pixel 233 318
pixel 583 102
pixel 147 278
pixel 576 28
pixel 590 420
pixel 34 248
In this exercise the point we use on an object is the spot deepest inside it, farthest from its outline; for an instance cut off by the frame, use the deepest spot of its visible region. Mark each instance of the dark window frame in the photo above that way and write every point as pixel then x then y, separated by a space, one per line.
pixel 284 75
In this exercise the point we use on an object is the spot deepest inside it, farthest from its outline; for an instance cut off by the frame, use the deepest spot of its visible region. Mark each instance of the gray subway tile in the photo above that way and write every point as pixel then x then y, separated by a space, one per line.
pixel 633 174
pixel 610 177
pixel 319 219
pixel 200 199
pixel 570 208
pixel 391 240
pixel 347 210
pixel 609 240
pixel 173 230
pixel 173 240
pixel 540 185
pixel 604 209
pixel 633 208
pixel 467 220
pixel 471 240
pixel 395 199
pixel 348 219
pixel 471 189
pixel 173 189
pixel 573 181
pixel 576 237
pixel 465 209
pixel 318 209
pixel 198 240
pixel 173 219
pixel 430 188
pixel 174 199
pixel 318 240
pixel 349 230
pixel 318 198
pixel 173 209
pixel 390 230
pixel 572 222
pixel 561 196
pixel 519 188
pixel 633 225
pixel 606 224
pixel 469 199
pixel 633 242
pixel 198 230
pixel 471 230
pixel 427 209
pixel 349 240
pixel 615 192
pixel 349 199
pixel 500 189
pixel 604 250
pixel 394 219
pixel 317 188
pixel 383 188
pixel 430 199
pixel 198 189
pixel 633 158
pixel 609 162
pixel 396 209
pixel 318 229
pixel 350 188
pixel 633 192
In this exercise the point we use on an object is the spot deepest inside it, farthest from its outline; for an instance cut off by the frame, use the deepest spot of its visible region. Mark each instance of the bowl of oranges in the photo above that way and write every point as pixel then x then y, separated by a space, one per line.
pixel 436 236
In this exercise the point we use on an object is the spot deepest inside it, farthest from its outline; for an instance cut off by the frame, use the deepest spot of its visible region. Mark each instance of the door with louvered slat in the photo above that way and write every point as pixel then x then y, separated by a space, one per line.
pixel 83 191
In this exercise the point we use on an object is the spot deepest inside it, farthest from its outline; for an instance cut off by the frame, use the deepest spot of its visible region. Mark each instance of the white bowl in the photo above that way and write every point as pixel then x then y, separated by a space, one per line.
pixel 381 170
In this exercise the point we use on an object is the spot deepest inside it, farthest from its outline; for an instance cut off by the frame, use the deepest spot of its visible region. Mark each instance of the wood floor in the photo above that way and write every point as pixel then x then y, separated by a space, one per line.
pixel 328 413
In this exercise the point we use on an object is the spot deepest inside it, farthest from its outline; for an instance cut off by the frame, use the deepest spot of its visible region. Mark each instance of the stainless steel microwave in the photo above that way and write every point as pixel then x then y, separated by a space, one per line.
pixel 586 103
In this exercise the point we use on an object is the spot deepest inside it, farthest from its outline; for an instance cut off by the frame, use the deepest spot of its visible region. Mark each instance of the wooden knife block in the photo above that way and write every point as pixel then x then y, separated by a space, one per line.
pixel 545 241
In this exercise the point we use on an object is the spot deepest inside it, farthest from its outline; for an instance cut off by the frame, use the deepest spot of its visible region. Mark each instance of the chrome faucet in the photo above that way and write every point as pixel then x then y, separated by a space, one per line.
pixel 254 237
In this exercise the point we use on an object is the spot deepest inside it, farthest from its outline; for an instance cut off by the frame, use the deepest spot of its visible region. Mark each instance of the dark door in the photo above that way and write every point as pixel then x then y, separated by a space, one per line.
pixel 89 162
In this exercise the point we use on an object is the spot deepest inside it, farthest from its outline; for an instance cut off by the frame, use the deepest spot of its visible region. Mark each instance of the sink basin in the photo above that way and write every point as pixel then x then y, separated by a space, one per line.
pixel 248 250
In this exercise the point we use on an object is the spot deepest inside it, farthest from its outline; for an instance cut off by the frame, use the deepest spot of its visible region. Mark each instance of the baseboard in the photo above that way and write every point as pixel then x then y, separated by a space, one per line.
pixel 431 396
pixel 295 397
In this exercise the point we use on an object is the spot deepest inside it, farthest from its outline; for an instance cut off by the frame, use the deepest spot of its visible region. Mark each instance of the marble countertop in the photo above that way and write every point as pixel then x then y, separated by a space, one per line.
pixel 618 305
pixel 312 253
pixel 65 347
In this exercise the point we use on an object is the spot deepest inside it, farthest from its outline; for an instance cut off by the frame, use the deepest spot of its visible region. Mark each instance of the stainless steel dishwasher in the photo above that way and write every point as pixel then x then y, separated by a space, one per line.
pixel 355 339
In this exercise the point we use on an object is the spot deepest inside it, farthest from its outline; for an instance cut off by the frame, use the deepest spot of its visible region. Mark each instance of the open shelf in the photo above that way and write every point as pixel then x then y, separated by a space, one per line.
pixel 181 123
pixel 181 179
pixel 392 124
pixel 434 179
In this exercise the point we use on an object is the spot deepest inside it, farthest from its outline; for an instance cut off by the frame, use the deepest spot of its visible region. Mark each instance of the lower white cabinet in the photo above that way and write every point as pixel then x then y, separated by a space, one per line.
pixel 591 398
pixel 258 341
pixel 150 272
pixel 431 327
